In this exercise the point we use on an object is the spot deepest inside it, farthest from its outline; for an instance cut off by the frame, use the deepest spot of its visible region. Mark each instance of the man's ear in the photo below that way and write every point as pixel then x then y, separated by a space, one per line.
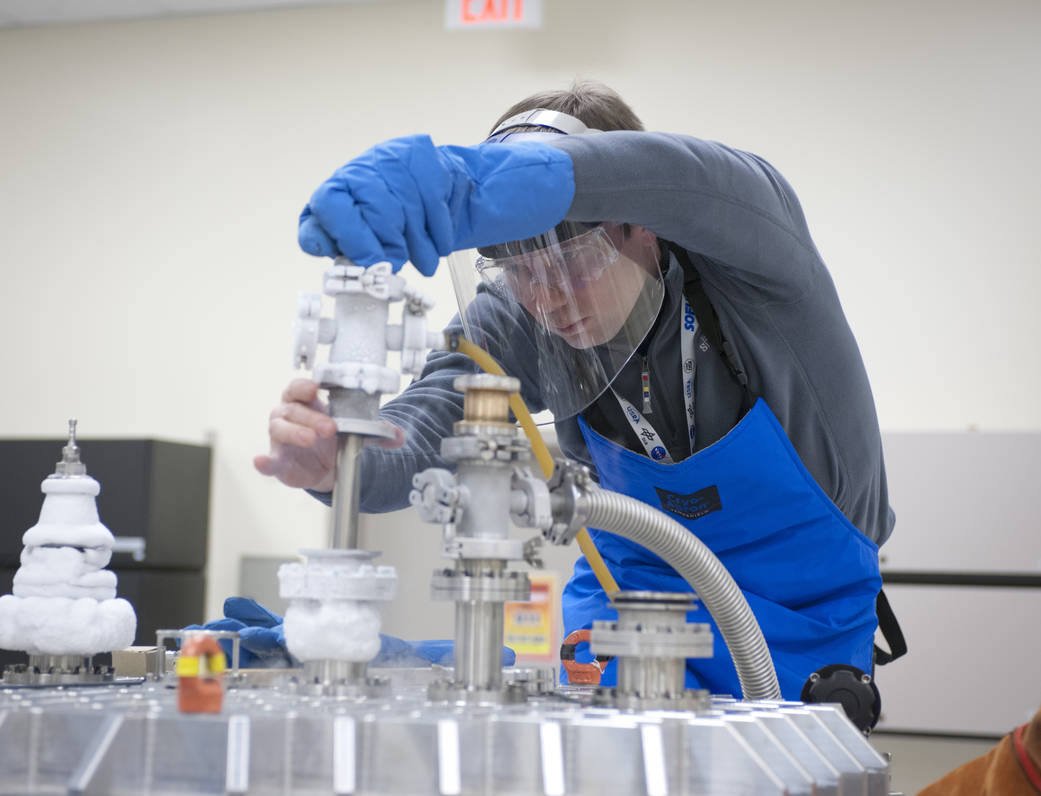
pixel 640 244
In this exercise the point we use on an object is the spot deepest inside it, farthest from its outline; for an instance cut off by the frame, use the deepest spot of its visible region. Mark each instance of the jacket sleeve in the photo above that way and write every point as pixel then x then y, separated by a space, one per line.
pixel 731 206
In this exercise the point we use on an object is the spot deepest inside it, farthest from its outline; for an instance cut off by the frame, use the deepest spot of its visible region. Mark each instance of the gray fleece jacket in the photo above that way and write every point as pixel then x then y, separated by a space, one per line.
pixel 744 228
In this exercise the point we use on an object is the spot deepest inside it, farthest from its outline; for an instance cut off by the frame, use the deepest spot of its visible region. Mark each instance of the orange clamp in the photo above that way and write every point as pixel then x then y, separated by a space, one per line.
pixel 200 675
pixel 581 673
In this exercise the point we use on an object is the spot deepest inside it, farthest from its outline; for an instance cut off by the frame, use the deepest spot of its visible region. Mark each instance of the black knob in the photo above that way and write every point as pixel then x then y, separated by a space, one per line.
pixel 849 687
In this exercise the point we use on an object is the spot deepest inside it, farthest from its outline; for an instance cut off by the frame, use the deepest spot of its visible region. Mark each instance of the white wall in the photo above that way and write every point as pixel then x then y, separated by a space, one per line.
pixel 151 173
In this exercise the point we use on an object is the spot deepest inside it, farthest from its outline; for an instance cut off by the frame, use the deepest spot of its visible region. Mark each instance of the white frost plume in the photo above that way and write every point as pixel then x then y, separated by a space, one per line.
pixel 65 572
pixel 64 600
pixel 65 626
pixel 342 630
pixel 69 515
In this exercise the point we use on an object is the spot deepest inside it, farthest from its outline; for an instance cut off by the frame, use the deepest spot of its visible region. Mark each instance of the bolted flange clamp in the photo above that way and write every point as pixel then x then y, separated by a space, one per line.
pixel 510 586
pixel 568 487
pixel 500 449
pixel 693 640
pixel 437 497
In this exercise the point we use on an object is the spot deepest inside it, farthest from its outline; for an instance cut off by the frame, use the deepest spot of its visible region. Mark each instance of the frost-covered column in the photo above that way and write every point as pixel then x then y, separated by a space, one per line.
pixel 333 617
pixel 473 506
pixel 64 600
pixel 332 622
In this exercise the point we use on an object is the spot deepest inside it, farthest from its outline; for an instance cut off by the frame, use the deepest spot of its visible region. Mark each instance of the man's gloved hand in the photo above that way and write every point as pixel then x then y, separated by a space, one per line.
pixel 263 641
pixel 407 200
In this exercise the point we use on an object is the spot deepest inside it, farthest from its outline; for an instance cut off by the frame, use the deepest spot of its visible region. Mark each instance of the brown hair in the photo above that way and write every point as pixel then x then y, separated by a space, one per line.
pixel 593 103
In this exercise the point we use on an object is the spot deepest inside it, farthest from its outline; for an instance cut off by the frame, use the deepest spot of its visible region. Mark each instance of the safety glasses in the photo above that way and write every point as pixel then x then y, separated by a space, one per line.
pixel 557 265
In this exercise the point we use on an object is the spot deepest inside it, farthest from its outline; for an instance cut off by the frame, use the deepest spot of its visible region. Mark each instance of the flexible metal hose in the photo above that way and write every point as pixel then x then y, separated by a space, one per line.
pixel 698 565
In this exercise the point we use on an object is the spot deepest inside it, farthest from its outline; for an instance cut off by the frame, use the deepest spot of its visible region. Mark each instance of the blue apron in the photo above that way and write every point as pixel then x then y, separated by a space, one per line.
pixel 810 577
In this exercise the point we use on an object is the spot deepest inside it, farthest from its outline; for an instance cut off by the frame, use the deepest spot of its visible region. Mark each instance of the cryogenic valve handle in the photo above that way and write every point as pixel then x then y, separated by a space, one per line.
pixel 377 281
pixel 345 280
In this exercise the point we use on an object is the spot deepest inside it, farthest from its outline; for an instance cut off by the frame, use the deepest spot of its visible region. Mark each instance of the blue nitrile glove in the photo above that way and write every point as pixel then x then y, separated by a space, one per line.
pixel 262 641
pixel 407 200
pixel 394 652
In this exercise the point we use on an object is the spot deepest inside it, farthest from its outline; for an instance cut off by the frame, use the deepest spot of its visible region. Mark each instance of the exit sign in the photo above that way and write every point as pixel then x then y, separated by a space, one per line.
pixel 493 14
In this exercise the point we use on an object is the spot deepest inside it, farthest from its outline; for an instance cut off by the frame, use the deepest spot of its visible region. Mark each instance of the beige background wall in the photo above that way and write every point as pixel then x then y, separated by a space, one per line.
pixel 151 173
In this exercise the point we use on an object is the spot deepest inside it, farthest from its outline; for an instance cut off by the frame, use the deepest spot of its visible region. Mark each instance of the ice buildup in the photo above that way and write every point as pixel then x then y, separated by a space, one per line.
pixel 333 612
pixel 64 600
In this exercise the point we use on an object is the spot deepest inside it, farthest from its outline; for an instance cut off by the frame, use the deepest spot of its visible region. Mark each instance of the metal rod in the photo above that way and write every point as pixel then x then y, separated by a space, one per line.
pixel 478 645
pixel 343 531
pixel 330 672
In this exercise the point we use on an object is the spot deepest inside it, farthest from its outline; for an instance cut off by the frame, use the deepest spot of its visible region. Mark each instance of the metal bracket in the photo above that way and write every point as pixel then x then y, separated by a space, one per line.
pixel 568 487
pixel 530 501
pixel 437 497
pixel 470 547
pixel 370 379
pixel 377 280
pixel 531 552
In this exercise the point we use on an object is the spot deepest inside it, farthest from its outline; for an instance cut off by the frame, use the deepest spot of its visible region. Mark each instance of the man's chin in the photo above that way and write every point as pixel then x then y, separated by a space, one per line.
pixel 577 335
pixel 582 340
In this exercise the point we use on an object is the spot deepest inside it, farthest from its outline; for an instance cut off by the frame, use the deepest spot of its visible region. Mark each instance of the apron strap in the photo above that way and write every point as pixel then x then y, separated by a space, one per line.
pixel 891 632
pixel 709 321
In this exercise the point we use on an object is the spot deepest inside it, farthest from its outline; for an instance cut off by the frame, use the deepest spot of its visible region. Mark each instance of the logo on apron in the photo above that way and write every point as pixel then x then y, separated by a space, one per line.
pixel 692 506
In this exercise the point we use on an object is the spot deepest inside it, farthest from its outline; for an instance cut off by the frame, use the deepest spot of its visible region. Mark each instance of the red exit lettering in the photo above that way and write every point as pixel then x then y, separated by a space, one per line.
pixel 473 12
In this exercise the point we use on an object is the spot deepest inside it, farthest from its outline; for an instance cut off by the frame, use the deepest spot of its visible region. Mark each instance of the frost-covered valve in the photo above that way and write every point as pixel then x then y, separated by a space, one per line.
pixel 359 337
pixel 333 611
pixel 64 599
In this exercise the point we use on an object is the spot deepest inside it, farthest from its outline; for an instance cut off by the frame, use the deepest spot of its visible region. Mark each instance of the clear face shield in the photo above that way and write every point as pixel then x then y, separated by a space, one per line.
pixel 563 311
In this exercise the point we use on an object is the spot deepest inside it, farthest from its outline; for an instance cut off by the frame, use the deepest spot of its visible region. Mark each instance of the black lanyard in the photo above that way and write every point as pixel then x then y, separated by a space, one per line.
pixel 709 322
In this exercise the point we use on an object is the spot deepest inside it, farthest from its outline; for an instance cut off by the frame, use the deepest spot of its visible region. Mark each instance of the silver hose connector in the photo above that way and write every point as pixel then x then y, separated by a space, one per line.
pixel 575 501
pixel 698 565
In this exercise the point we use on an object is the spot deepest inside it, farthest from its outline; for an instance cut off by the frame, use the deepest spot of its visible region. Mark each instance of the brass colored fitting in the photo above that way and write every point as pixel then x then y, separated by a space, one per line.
pixel 486 399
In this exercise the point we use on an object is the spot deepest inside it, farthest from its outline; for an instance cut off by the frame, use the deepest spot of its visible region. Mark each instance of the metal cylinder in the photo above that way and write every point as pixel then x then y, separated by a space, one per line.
pixel 343 529
pixel 353 405
pixel 486 401
pixel 651 678
pixel 485 452
pixel 60 664
pixel 651 640
pixel 486 406
pixel 478 643
pixel 487 515
pixel 331 673
pixel 479 587
pixel 361 323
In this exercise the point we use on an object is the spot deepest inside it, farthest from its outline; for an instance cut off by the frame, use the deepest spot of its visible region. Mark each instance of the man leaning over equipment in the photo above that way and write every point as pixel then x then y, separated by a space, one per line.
pixel 662 297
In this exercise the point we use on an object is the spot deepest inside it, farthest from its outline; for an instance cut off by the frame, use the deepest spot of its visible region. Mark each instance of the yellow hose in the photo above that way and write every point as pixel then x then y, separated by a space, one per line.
pixel 485 361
